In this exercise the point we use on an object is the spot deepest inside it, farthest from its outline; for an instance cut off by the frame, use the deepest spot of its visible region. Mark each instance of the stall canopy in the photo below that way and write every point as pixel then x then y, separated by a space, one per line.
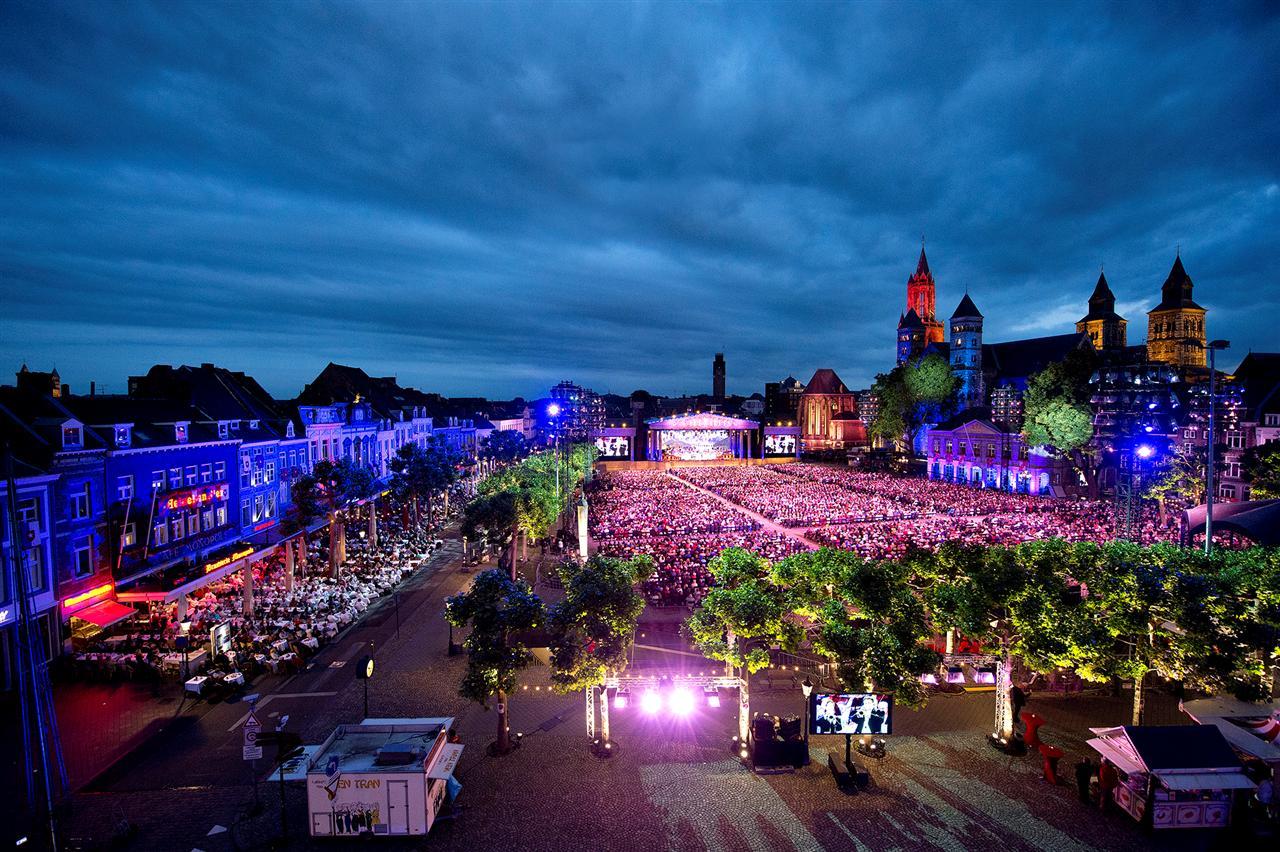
pixel 106 613
pixel 1252 729
pixel 1181 757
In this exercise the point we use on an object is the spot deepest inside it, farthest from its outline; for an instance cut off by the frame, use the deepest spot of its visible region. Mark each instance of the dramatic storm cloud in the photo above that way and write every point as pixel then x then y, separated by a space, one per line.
pixel 489 198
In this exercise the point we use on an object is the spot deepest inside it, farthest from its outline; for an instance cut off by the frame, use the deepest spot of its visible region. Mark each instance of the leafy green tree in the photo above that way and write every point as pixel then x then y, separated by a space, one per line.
pixel 1180 478
pixel 423 472
pixel 910 396
pixel 330 489
pixel 875 628
pixel 498 609
pixel 1057 415
pixel 504 446
pixel 741 617
pixel 1261 468
pixel 593 627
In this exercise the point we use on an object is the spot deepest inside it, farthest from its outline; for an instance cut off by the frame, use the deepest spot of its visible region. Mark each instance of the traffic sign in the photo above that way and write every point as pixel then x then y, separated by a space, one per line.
pixel 252 721
pixel 252 752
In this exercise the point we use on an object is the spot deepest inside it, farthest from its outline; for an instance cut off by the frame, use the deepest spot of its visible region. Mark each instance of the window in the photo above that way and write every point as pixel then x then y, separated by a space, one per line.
pixel 80 504
pixel 192 476
pixel 122 436
pixel 206 473
pixel 178 525
pixel 1271 419
pixel 246 513
pixel 948 446
pixel 253 424
pixel 72 437
pixel 207 520
pixel 1235 440
pixel 33 561
pixel 129 535
pixel 269 475
pixel 1228 491
pixel 991 451
pixel 159 534
pixel 219 471
pixel 224 429
pixel 124 487
pixel 271 504
pixel 246 467
pixel 175 477
pixel 257 508
pixel 1233 470
pixel 193 522
pixel 157 480
pixel 220 514
pixel 82 560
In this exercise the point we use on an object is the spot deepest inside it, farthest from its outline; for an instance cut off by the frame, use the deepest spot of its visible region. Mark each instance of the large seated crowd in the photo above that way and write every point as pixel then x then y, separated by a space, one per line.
pixel 876 515
pixel 290 621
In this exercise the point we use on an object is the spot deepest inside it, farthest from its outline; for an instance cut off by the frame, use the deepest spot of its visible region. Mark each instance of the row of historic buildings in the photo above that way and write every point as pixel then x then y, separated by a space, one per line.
pixel 187 477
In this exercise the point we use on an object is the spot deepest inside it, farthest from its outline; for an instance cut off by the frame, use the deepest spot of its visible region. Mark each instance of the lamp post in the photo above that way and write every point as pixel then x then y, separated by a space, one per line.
pixel 553 411
pixel 1213 347
pixel 807 689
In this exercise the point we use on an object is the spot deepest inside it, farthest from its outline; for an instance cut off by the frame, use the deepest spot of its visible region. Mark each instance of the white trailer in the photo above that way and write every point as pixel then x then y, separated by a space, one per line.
pixel 381 777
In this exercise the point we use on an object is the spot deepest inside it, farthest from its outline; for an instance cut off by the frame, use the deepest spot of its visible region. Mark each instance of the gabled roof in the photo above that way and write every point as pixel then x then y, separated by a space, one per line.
pixel 966 308
pixel 1018 359
pixel 825 381
pixel 979 416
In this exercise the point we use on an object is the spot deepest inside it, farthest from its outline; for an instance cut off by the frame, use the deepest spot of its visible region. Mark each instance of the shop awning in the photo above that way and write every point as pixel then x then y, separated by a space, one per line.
pixel 1123 761
pixel 106 613
pixel 1205 781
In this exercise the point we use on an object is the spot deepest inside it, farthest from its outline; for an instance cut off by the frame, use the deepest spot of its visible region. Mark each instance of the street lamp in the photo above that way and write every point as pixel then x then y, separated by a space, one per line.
pixel 1213 346
pixel 553 411
pixel 807 689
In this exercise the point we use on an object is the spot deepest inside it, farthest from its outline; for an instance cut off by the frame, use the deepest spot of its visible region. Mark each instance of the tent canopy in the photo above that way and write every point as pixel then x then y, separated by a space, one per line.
pixel 1256 519
pixel 106 613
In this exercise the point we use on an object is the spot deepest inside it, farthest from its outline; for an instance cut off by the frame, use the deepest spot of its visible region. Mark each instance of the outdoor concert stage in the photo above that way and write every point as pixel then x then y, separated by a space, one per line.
pixel 698 438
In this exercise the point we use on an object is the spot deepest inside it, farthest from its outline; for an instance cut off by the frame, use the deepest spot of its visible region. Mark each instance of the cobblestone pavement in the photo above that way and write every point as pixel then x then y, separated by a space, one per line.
pixel 670 786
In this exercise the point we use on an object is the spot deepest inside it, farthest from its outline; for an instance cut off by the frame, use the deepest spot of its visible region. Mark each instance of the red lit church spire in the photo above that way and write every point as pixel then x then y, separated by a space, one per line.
pixel 920 298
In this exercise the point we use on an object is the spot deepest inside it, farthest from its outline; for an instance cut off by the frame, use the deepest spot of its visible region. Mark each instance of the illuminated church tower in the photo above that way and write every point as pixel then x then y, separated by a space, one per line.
pixel 1175 319
pixel 911 333
pixel 966 353
pixel 1105 327
pixel 920 298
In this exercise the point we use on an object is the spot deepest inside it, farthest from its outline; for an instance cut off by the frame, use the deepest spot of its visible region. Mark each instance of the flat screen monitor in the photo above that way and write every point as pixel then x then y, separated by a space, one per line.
pixel 856 713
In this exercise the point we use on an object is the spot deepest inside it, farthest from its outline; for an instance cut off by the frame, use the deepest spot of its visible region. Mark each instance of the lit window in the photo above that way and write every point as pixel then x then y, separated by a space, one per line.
pixel 80 504
pixel 178 525
pixel 124 487
pixel 129 535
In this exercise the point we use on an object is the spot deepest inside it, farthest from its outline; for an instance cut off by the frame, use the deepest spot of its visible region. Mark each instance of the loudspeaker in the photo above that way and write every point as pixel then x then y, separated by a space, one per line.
pixel 790 729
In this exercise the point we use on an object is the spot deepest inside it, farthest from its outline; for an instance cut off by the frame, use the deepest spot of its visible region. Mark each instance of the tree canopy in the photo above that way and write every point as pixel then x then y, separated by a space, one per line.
pixel 1058 416
pixel 911 395
pixel 593 627
pixel 1261 469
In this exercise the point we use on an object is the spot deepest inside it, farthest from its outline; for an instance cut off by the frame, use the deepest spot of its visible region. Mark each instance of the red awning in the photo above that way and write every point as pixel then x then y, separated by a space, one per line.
pixel 106 613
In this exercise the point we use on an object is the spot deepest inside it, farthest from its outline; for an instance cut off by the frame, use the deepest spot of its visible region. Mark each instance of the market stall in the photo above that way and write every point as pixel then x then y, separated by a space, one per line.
pixel 1179 776
pixel 381 777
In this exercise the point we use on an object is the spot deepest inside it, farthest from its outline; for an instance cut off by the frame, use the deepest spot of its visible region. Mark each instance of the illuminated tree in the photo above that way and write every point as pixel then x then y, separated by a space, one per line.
pixel 593 627
pixel 911 395
pixel 328 491
pixel 504 446
pixel 497 609
pixel 1261 467
pixel 1057 415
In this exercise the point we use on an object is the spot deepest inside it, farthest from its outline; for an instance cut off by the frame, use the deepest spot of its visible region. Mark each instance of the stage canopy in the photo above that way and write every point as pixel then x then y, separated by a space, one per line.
pixel 702 436
pixel 1258 520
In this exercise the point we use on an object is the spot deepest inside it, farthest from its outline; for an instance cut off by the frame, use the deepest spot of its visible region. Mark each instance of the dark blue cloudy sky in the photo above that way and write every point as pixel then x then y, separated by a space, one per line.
pixel 489 198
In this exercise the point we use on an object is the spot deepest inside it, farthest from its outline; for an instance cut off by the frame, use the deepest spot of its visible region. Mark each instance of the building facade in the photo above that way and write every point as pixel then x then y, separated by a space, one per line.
pixel 827 414
pixel 966 353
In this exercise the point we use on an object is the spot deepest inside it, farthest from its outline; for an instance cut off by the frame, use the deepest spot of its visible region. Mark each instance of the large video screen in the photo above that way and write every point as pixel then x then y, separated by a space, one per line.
pixel 696 444
pixel 613 448
pixel 851 713
pixel 779 445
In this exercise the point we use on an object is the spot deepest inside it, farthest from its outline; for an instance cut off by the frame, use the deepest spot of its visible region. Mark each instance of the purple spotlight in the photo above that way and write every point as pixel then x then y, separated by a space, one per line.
pixel 651 702
pixel 681 701
pixel 1146 451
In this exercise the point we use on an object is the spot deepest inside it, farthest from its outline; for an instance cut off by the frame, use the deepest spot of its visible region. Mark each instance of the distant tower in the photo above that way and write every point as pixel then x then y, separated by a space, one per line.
pixel 717 377
pixel 966 352
pixel 1175 319
pixel 920 298
pixel 1107 330
pixel 911 336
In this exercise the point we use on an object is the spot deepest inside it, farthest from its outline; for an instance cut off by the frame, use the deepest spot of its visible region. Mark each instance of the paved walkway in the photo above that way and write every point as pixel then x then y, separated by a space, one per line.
pixel 795 533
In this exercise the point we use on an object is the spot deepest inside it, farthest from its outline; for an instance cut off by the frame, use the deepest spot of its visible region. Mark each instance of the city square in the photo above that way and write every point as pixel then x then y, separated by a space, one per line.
pixel 639 426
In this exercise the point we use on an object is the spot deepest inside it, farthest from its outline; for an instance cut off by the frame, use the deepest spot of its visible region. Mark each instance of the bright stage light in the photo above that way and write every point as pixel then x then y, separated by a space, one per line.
pixel 651 701
pixel 681 701
pixel 553 410
pixel 1146 451
pixel 620 701
pixel 713 698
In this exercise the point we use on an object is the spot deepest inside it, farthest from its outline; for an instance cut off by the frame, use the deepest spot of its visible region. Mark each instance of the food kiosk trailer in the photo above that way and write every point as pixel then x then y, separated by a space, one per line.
pixel 1177 776
pixel 381 777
